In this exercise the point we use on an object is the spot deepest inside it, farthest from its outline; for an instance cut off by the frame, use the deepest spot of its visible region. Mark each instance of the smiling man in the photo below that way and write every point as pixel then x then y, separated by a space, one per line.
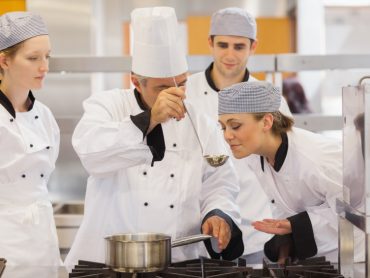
pixel 232 40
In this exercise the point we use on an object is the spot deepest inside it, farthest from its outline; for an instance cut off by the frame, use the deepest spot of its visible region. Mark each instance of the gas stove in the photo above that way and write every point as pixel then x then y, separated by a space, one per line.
pixel 210 268
pixel 2 265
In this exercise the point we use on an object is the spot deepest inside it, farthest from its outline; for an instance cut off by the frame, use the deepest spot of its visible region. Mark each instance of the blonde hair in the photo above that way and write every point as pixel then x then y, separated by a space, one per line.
pixel 10 52
pixel 281 124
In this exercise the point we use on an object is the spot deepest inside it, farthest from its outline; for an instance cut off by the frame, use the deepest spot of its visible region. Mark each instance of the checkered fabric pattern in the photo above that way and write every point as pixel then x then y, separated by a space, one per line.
pixel 233 22
pixel 249 97
pixel 16 27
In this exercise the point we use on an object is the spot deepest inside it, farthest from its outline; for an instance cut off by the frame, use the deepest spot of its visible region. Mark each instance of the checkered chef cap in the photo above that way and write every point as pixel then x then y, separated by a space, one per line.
pixel 16 27
pixel 233 22
pixel 249 97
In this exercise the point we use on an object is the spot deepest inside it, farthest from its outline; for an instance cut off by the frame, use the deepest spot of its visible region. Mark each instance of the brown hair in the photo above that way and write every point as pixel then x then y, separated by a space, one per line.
pixel 281 122
pixel 10 52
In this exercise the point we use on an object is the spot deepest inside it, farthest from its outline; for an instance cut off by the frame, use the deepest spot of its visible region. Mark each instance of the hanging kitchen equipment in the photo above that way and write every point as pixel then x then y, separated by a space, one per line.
pixel 213 160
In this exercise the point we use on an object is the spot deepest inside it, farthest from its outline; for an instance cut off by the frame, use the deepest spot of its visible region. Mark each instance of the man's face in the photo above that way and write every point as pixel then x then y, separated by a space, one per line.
pixel 150 88
pixel 230 54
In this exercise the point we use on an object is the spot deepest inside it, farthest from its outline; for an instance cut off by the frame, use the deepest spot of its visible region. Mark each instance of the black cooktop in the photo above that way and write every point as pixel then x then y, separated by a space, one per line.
pixel 317 267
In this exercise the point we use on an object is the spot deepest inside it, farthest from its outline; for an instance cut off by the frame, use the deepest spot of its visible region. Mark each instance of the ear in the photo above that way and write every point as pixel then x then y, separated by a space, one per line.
pixel 268 121
pixel 254 46
pixel 136 83
pixel 210 43
pixel 3 61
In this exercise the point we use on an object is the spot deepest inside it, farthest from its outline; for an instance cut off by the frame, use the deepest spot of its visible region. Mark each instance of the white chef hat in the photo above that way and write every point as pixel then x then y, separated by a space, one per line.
pixel 233 22
pixel 249 97
pixel 157 50
pixel 16 27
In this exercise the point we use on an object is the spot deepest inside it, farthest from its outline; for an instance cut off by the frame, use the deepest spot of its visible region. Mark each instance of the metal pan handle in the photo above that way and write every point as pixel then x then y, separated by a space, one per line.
pixel 189 239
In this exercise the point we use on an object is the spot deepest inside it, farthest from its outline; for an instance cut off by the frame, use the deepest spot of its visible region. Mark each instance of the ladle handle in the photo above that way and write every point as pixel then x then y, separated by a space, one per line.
pixel 195 130
pixel 191 120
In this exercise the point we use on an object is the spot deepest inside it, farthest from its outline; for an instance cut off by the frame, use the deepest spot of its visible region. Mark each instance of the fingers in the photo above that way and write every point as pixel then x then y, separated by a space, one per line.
pixel 206 229
pixel 168 105
pixel 218 228
pixel 272 227
pixel 224 235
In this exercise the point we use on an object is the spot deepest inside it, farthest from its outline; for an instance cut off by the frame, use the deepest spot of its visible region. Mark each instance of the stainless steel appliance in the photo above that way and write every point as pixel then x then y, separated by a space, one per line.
pixel 354 209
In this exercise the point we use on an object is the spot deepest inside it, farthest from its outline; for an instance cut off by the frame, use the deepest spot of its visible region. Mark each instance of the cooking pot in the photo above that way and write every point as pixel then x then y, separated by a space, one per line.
pixel 143 252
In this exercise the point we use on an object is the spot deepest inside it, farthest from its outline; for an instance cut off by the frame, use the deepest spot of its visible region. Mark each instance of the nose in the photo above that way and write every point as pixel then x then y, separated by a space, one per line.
pixel 44 67
pixel 230 54
pixel 228 135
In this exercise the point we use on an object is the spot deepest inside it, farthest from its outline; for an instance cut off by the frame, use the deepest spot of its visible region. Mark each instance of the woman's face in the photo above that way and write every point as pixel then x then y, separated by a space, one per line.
pixel 243 133
pixel 30 64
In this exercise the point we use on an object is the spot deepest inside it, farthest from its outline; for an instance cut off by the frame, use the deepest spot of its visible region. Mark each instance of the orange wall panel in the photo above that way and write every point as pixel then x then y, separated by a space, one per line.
pixel 12 5
pixel 275 35
pixel 198 28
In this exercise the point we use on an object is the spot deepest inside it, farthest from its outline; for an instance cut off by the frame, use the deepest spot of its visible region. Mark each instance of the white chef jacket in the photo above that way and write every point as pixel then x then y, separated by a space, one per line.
pixel 29 146
pixel 252 200
pixel 125 194
pixel 310 180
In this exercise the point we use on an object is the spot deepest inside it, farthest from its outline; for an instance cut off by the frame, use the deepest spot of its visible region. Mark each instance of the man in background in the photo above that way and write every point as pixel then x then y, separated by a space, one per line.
pixel 232 40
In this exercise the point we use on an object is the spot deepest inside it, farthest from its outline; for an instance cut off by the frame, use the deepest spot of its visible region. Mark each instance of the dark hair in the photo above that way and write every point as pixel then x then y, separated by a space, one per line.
pixel 281 122
pixel 10 52
pixel 213 36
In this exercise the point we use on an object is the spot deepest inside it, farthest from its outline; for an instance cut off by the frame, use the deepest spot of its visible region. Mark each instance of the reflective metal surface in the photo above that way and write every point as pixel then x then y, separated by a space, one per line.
pixel 138 252
pixel 143 252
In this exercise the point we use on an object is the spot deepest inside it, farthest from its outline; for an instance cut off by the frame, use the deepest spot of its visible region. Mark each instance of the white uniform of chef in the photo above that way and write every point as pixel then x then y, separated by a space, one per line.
pixel 29 146
pixel 252 200
pixel 126 194
pixel 310 179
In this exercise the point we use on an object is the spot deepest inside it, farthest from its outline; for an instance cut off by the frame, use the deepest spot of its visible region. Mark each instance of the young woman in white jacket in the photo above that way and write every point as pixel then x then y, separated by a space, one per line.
pixel 300 171
pixel 29 144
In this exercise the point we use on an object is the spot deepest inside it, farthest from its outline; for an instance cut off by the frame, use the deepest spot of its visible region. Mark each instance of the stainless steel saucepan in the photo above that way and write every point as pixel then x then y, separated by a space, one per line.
pixel 144 252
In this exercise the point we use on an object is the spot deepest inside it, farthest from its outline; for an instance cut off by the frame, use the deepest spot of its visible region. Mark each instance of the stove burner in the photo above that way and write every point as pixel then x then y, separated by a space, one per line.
pixel 198 268
pixel 209 268
pixel 2 265
pixel 317 267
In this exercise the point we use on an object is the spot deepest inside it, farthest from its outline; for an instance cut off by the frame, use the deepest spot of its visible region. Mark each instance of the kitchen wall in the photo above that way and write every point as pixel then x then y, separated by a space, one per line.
pixel 100 27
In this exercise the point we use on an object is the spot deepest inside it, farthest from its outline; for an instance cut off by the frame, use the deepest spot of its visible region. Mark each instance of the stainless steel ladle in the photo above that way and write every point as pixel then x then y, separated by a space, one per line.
pixel 215 160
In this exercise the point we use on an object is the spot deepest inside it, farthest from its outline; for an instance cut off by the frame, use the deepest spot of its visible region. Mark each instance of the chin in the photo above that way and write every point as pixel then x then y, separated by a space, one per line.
pixel 240 155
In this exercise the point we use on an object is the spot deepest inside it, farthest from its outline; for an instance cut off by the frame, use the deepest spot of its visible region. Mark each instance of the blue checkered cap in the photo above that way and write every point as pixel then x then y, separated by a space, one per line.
pixel 16 27
pixel 249 97
pixel 233 22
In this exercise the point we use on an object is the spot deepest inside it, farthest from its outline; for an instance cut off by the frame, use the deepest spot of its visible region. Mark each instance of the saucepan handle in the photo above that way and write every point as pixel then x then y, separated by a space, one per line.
pixel 189 239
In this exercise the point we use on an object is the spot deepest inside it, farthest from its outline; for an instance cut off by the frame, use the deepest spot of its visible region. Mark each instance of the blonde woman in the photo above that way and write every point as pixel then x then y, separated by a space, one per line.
pixel 29 144
pixel 300 171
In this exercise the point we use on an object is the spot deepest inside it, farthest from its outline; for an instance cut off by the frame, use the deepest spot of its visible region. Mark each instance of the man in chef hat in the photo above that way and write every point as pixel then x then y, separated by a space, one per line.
pixel 232 40
pixel 147 172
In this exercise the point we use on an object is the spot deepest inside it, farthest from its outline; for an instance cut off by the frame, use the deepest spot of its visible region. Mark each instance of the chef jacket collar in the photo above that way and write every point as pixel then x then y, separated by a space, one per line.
pixel 280 154
pixel 140 101
pixel 212 84
pixel 4 101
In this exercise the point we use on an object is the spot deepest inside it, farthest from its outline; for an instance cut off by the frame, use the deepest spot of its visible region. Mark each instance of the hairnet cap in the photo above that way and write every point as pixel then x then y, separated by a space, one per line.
pixel 249 97
pixel 233 22
pixel 157 50
pixel 16 27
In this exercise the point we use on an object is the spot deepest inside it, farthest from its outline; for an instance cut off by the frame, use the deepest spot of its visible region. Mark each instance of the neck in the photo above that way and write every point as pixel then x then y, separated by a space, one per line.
pixel 222 81
pixel 17 96
pixel 272 144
